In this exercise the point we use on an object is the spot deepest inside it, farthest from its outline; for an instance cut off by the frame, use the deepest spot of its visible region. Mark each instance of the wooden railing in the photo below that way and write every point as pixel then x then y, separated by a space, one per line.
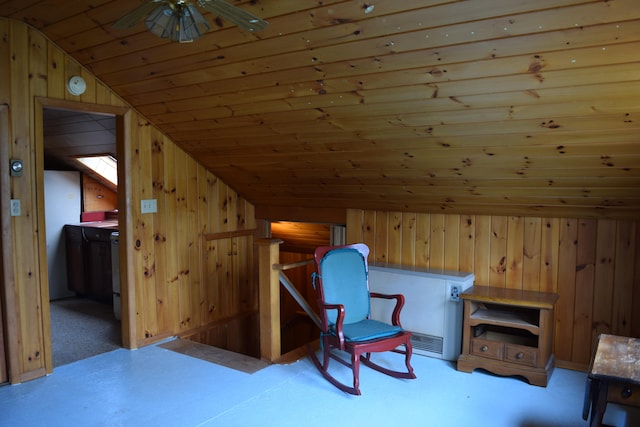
pixel 270 276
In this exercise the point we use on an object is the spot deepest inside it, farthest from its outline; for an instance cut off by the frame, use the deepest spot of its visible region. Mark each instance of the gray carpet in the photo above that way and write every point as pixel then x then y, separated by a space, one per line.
pixel 81 328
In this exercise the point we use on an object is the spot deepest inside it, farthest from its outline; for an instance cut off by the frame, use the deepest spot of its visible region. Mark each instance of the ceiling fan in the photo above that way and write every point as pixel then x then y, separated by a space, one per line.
pixel 181 21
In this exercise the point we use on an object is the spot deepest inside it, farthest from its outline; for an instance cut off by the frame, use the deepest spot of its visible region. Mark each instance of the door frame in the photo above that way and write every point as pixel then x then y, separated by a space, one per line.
pixel 123 125
pixel 6 247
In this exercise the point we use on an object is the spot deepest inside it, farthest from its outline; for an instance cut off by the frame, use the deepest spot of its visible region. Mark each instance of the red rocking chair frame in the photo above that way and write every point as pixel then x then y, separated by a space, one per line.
pixel 333 335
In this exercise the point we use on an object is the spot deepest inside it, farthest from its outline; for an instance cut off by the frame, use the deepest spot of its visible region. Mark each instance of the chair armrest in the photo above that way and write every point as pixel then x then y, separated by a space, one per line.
pixel 339 320
pixel 395 315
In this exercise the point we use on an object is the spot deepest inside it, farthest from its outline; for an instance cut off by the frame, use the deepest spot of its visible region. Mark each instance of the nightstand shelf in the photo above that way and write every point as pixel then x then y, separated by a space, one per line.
pixel 508 332
pixel 507 318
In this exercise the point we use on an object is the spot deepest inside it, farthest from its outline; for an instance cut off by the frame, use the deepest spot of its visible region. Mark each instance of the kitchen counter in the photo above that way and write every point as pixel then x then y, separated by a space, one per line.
pixel 109 224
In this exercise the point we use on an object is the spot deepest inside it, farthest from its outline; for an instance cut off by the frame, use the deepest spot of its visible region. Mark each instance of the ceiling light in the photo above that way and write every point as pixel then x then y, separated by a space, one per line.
pixel 177 21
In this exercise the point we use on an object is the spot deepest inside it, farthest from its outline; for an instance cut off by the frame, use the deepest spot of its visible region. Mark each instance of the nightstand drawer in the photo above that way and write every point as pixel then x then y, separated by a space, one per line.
pixel 521 354
pixel 486 348
pixel 624 394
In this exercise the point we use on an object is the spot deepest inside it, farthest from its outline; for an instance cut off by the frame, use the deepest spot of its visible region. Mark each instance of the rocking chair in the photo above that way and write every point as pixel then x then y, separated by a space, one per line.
pixel 342 287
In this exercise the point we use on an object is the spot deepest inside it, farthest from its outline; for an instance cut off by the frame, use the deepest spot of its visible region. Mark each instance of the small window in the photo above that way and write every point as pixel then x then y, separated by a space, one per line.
pixel 106 166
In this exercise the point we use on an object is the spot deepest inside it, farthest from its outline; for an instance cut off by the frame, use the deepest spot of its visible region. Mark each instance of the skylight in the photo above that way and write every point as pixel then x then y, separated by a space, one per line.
pixel 106 166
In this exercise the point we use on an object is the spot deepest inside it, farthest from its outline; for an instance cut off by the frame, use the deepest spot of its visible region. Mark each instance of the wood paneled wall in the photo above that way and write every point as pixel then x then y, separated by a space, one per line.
pixel 96 196
pixel 301 237
pixel 167 247
pixel 163 282
pixel 229 296
pixel 594 265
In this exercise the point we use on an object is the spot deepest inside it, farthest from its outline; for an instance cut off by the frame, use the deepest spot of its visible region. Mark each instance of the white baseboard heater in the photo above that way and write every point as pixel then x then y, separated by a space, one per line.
pixel 432 310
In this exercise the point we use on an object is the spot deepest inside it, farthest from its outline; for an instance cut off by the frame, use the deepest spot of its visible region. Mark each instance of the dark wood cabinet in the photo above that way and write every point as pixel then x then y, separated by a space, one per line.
pixel 89 262
pixel 98 263
pixel 75 259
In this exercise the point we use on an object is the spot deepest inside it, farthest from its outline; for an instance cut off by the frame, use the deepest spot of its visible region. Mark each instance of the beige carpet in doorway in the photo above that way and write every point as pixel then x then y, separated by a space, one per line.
pixel 229 359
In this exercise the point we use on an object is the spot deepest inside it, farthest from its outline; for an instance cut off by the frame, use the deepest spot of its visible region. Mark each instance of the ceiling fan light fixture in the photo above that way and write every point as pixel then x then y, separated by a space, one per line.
pixel 179 22
pixel 160 20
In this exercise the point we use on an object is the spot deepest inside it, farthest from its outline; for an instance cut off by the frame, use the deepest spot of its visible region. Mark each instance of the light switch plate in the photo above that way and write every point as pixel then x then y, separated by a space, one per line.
pixel 149 206
pixel 15 207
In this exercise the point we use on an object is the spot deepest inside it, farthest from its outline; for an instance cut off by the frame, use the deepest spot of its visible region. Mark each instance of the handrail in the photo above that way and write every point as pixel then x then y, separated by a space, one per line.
pixel 291 265
pixel 284 281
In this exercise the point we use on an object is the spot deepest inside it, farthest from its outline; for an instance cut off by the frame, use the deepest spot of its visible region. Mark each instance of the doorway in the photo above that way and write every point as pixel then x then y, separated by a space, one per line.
pixel 84 321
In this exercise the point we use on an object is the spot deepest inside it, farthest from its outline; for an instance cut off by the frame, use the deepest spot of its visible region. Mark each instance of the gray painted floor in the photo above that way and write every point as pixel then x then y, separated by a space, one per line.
pixel 158 387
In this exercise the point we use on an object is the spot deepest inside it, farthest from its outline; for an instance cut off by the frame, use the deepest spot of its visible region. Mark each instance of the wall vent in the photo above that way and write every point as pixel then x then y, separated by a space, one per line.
pixel 432 305
pixel 426 342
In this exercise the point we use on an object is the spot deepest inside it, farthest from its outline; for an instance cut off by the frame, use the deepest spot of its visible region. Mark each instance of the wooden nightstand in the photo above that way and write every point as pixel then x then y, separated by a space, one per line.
pixel 508 332
pixel 614 376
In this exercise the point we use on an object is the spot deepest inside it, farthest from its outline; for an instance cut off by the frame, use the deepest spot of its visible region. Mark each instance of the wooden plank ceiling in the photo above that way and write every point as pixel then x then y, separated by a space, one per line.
pixel 481 106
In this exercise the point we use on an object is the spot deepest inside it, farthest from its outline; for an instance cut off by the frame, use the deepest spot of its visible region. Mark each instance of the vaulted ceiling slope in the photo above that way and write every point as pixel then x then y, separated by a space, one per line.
pixel 480 106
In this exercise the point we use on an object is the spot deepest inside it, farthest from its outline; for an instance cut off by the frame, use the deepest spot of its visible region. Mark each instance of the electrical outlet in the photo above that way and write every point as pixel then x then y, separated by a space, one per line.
pixel 455 293
pixel 149 206
pixel 15 207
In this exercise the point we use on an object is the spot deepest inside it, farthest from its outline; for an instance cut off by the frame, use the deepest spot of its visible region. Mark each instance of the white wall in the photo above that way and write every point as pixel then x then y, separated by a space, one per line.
pixel 62 206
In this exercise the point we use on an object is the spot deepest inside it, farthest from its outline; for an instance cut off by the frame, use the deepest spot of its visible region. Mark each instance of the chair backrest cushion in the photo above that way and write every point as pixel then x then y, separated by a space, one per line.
pixel 344 281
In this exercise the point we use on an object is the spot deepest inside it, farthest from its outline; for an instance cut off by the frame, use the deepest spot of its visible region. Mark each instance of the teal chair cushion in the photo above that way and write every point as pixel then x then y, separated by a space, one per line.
pixel 368 330
pixel 344 281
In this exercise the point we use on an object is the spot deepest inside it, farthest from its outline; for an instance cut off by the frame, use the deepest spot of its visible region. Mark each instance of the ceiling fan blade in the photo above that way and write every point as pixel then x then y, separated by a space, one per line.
pixel 135 16
pixel 236 15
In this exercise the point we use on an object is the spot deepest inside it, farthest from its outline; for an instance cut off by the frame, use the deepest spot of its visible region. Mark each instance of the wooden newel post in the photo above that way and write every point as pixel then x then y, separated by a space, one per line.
pixel 269 283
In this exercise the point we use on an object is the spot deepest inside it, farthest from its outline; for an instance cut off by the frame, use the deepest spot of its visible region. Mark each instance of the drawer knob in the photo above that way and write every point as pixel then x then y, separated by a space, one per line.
pixel 484 348
pixel 626 392
pixel 519 355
